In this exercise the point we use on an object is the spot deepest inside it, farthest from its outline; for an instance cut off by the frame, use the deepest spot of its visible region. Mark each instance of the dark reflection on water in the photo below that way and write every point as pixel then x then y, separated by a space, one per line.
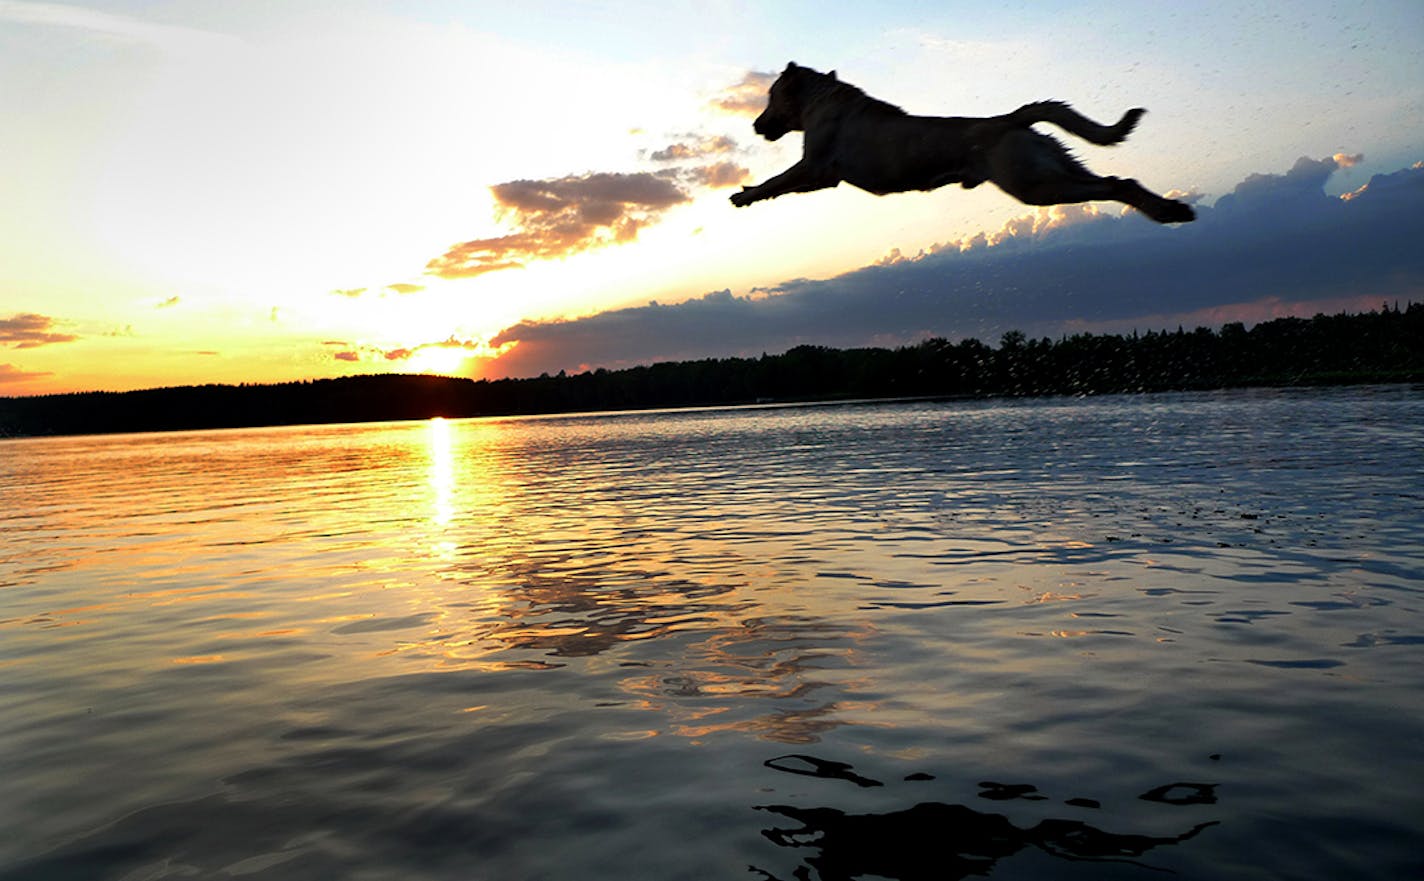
pixel 942 841
pixel 934 840
pixel 1051 638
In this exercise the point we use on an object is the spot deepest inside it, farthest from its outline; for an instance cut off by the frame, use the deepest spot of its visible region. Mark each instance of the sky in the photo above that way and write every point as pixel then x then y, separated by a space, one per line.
pixel 203 193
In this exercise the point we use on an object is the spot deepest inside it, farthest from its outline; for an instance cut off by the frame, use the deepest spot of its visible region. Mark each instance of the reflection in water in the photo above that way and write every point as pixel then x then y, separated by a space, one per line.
pixel 442 472
pixel 773 677
pixel 933 840
pixel 571 616
pixel 551 648
pixel 714 661
pixel 942 841
pixel 810 766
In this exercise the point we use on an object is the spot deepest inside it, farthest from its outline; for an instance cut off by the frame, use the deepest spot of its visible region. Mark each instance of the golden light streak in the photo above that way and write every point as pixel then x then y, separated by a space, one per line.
pixel 442 472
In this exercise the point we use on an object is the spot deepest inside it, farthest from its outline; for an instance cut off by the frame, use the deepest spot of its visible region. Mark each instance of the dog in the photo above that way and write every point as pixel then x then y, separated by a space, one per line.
pixel 881 149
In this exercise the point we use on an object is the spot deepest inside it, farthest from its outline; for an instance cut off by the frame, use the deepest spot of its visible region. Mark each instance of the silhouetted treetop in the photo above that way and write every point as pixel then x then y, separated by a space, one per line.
pixel 1382 346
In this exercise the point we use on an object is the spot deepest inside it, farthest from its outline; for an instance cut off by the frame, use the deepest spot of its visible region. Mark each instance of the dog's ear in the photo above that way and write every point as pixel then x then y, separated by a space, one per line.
pixel 790 66
pixel 832 74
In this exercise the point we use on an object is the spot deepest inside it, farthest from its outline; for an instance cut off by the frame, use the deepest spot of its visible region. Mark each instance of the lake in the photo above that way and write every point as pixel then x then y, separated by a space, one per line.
pixel 1063 638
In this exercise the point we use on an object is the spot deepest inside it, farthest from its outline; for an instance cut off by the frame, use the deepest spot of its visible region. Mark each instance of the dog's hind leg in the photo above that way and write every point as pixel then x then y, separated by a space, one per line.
pixel 1035 169
pixel 1129 192
pixel 1067 191
pixel 1159 208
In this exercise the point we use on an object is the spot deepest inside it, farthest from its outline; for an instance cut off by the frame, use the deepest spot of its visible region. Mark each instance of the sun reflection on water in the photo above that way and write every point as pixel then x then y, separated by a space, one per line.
pixel 442 471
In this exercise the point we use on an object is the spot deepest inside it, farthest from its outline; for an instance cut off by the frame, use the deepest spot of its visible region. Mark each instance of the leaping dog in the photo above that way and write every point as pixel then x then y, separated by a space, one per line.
pixel 881 149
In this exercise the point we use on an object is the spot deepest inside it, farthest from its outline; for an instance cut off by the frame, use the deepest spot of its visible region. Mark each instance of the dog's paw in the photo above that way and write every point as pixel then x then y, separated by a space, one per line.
pixel 1180 212
pixel 743 198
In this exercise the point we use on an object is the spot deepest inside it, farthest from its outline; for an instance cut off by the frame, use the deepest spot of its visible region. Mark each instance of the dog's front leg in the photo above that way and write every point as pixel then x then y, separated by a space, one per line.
pixel 803 177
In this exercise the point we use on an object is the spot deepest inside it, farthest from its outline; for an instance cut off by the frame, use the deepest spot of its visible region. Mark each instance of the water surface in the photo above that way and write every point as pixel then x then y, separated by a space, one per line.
pixel 1093 638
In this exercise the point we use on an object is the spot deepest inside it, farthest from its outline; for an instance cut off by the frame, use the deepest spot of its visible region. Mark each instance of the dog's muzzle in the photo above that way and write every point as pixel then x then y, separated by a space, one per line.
pixel 767 128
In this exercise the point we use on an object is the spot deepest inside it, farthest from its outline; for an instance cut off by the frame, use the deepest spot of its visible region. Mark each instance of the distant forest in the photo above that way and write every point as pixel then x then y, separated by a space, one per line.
pixel 1383 346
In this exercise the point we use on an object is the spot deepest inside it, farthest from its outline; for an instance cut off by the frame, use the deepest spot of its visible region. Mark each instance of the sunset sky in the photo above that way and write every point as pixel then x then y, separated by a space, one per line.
pixel 252 192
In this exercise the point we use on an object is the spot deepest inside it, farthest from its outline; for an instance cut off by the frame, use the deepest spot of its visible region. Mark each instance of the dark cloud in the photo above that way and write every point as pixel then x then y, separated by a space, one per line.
pixel 26 330
pixel 346 356
pixel 716 324
pixel 11 373
pixel 562 216
pixel 1276 244
pixel 1388 184
pixel 747 97
pixel 1303 185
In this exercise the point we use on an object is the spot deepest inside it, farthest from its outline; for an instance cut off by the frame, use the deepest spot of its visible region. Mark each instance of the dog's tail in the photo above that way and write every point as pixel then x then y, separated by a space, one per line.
pixel 1065 117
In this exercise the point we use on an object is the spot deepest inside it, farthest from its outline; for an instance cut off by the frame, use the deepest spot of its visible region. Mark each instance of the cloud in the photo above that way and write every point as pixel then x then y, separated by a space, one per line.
pixel 452 343
pixel 168 303
pixel 558 217
pixel 448 343
pixel 352 353
pixel 11 373
pixel 1277 244
pixel 747 97
pixel 718 174
pixel 717 323
pixel 404 353
pixel 401 288
pixel 26 330
pixel 1400 181
pixel 1282 192
pixel 563 216
pixel 695 147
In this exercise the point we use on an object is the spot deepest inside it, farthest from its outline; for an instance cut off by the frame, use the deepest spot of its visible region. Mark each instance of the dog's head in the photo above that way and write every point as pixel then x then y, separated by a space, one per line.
pixel 783 103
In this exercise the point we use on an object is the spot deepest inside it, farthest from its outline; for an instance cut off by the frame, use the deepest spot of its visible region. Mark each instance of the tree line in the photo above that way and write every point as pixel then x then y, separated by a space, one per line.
pixel 1380 346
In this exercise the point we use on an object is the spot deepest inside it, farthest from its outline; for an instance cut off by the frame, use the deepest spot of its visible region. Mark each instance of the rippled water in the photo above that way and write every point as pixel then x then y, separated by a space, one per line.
pixel 1069 639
